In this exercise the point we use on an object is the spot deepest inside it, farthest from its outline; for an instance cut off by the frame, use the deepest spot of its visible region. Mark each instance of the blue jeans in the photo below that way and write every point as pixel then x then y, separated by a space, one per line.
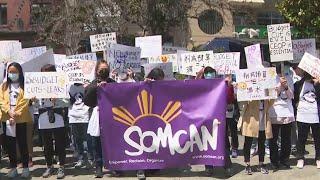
pixel 79 132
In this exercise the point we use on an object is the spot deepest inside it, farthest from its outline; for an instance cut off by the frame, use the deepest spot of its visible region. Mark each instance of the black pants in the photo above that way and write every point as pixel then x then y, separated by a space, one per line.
pixel 59 136
pixel 232 124
pixel 11 145
pixel 303 131
pixel 261 147
pixel 285 143
pixel 97 148
pixel 79 134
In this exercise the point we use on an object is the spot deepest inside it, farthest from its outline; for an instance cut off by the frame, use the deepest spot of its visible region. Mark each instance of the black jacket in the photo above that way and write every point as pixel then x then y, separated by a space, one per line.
pixel 90 93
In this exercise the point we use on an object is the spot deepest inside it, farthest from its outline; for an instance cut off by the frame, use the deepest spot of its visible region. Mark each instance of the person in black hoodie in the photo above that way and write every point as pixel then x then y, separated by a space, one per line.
pixel 102 72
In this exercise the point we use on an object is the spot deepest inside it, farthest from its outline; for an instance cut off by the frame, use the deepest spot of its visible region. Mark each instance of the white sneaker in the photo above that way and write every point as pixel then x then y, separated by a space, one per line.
pixel 13 173
pixel 254 151
pixel 25 173
pixel 267 150
pixel 234 153
pixel 300 164
pixel 318 164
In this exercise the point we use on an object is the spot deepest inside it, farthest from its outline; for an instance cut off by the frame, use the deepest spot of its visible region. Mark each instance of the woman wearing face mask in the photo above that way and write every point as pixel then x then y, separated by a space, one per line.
pixel 91 100
pixel 210 73
pixel 307 104
pixel 15 116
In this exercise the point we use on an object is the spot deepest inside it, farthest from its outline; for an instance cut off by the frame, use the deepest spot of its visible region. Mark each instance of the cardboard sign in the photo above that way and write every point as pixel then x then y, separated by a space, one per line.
pixel 171 49
pixel 84 56
pixel 192 63
pixel 9 51
pixel 301 46
pixel 77 70
pixel 226 63
pixel 280 44
pixel 99 42
pixel 45 85
pixel 256 84
pixel 150 46
pixel 37 63
pixel 173 58
pixel 253 56
pixel 27 54
pixel 311 65
pixel 121 58
pixel 166 67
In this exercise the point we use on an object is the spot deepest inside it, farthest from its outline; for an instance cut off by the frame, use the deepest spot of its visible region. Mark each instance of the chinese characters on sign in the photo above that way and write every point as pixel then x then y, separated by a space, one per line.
pixel 191 63
pixel 165 59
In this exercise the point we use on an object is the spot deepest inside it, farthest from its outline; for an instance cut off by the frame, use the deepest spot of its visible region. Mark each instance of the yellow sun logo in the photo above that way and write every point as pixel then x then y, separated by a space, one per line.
pixel 145 102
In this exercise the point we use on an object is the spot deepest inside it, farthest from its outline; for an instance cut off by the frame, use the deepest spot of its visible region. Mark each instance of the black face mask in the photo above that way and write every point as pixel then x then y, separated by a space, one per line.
pixel 103 74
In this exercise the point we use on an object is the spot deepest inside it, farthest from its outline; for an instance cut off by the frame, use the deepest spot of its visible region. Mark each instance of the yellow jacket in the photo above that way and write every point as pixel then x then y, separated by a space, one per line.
pixel 21 109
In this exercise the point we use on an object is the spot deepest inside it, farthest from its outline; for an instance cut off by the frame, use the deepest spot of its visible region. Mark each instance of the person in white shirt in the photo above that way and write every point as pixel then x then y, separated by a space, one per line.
pixel 307 102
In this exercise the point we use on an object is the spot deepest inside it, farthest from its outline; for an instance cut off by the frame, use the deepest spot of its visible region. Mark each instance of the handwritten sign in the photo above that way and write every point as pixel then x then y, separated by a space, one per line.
pixel 9 51
pixel 171 49
pixel 99 42
pixel 84 56
pixel 226 63
pixel 280 43
pixel 253 56
pixel 300 46
pixel 45 85
pixel 150 46
pixel 121 58
pixel 311 65
pixel 193 62
pixel 26 54
pixel 256 84
pixel 36 64
pixel 77 70
pixel 166 67
pixel 173 58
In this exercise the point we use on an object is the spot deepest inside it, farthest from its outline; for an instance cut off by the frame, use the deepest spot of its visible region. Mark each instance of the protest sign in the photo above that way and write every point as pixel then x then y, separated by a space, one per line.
pixel 153 125
pixel 226 63
pixel 253 56
pixel 45 85
pixel 77 70
pixel 9 51
pixel 310 64
pixel 2 71
pixel 256 84
pixel 300 46
pixel 150 46
pixel 171 49
pixel 121 58
pixel 35 65
pixel 26 54
pixel 173 58
pixel 280 45
pixel 99 42
pixel 84 56
pixel 193 62
pixel 166 67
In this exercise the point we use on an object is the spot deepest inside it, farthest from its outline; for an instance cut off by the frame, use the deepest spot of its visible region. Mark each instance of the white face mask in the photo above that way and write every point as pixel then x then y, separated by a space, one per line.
pixel 14 77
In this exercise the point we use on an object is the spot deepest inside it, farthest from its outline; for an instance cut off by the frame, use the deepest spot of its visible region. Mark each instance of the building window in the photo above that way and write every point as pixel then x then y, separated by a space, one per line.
pixel 3 14
pixel 210 22
pixel 38 12
pixel 267 18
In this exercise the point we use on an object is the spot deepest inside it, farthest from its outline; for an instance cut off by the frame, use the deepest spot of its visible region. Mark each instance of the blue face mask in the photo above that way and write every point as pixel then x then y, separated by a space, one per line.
pixel 13 77
pixel 209 76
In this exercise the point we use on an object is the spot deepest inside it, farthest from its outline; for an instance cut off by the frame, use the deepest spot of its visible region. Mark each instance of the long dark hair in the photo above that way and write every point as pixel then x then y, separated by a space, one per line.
pixel 208 69
pixel 156 74
pixel 9 81
pixel 97 67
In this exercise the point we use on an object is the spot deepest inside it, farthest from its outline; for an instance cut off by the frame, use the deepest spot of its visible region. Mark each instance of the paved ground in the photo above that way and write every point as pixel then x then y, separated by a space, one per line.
pixel 195 173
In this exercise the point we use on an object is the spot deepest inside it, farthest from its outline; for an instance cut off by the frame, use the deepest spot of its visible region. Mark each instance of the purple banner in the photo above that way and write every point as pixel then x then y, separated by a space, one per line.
pixel 163 124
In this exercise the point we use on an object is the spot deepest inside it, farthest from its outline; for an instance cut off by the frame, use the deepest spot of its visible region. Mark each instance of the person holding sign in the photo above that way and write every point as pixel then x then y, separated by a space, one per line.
pixel 307 104
pixel 51 125
pixel 15 116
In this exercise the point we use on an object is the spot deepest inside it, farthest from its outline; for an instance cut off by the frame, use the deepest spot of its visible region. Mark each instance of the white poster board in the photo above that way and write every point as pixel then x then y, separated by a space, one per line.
pixel 35 65
pixel 166 67
pixel 253 56
pixel 84 56
pixel 2 70
pixel 256 84
pixel 172 49
pixel 45 85
pixel 226 63
pixel 26 54
pixel 280 44
pixel 300 46
pixel 311 65
pixel 121 58
pixel 99 42
pixel 77 70
pixel 173 58
pixel 9 51
pixel 150 45
pixel 192 63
